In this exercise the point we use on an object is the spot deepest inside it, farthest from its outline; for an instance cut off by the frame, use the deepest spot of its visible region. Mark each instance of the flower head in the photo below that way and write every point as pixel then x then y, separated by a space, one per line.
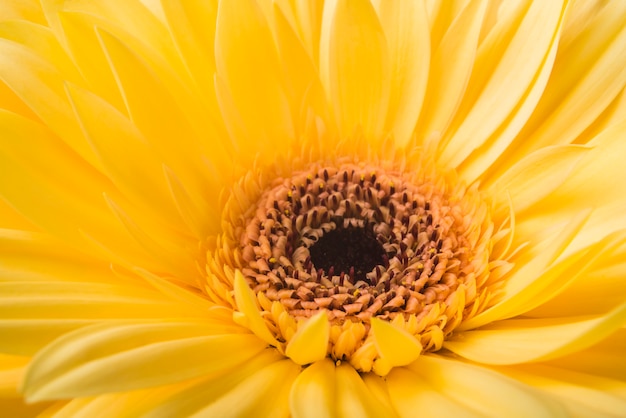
pixel 299 208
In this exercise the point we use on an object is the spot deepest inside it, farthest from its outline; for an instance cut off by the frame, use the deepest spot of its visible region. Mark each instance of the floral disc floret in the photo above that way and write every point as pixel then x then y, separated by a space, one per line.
pixel 359 242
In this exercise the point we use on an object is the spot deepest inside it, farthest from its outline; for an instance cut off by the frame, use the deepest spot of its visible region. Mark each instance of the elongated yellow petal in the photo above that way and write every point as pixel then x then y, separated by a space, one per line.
pixel 484 391
pixel 249 314
pixel 186 22
pixel 40 86
pixel 310 342
pixel 528 280
pixel 588 74
pixel 606 273
pixel 358 70
pixel 578 392
pixel 591 184
pixel 40 40
pixel 518 65
pixel 353 397
pixel 18 9
pixel 251 396
pixel 517 341
pixel 411 395
pixel 161 119
pixel 313 392
pixel 602 359
pixel 116 357
pixel 396 346
pixel 63 202
pixel 117 144
pixel 303 84
pixel 406 29
pixel 247 61
pixel 86 51
pixel 201 394
pixel 451 66
pixel 537 175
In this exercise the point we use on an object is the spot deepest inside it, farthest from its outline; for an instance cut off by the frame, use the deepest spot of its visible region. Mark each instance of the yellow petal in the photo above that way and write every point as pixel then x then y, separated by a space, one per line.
pixel 484 391
pixel 601 286
pixel 152 98
pixel 358 83
pixel 587 75
pixel 40 40
pixel 309 18
pixel 577 392
pixel 353 397
pixel 87 52
pixel 511 69
pixel 202 394
pixel 19 9
pixel 303 85
pixel 263 394
pixel 40 86
pixel 517 341
pixel 411 395
pixel 118 143
pixel 591 184
pixel 247 305
pixel 313 392
pixel 195 39
pixel 248 63
pixel 395 346
pixel 406 29
pixel 537 175
pixel 602 359
pixel 527 279
pixel 452 63
pixel 119 357
pixel 310 342
pixel 65 200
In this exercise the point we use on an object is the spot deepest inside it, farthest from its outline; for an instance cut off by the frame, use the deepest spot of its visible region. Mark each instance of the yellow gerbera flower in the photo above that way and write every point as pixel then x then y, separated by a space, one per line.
pixel 307 208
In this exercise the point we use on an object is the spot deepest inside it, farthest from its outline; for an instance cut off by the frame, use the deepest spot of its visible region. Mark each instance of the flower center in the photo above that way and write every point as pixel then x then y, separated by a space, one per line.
pixel 357 242
pixel 353 251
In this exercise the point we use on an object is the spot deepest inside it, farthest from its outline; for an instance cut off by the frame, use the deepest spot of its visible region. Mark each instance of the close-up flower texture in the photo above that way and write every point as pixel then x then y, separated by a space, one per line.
pixel 302 208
